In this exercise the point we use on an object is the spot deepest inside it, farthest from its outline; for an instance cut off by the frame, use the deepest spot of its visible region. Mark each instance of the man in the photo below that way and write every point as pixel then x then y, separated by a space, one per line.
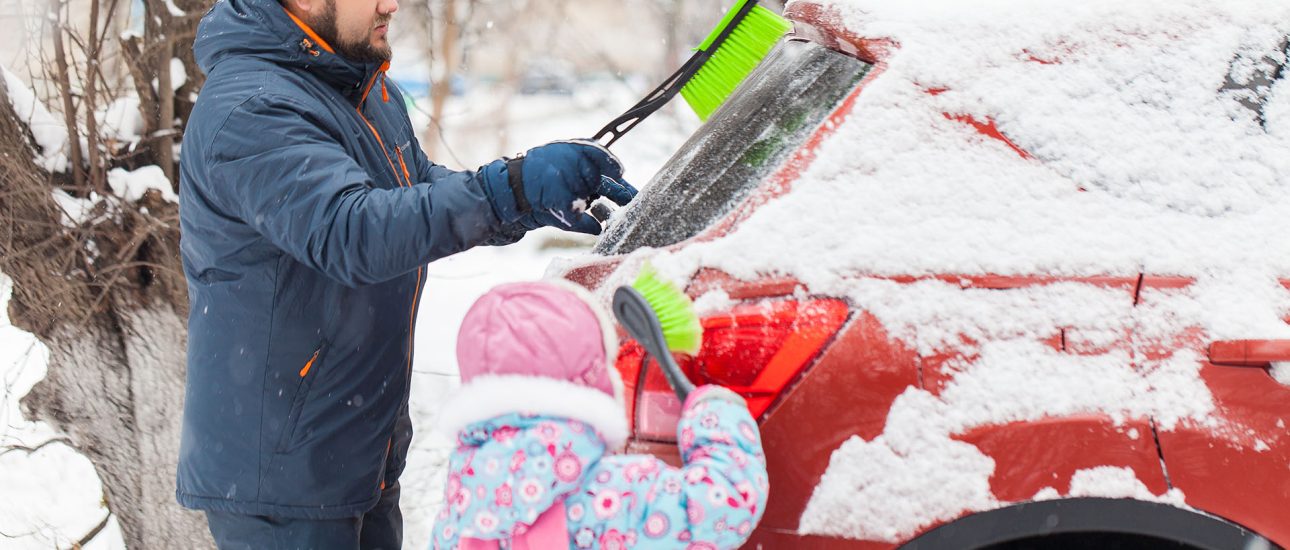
pixel 308 212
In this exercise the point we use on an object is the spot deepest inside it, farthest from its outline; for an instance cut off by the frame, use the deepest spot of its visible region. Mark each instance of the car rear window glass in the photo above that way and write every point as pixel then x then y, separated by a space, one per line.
pixel 767 118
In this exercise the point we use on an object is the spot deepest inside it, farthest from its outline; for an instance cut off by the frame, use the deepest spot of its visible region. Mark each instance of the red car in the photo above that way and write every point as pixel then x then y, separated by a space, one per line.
pixel 966 321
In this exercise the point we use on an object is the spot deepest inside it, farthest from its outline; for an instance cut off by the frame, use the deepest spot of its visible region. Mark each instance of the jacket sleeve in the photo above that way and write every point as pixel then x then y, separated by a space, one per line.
pixel 274 167
pixel 719 495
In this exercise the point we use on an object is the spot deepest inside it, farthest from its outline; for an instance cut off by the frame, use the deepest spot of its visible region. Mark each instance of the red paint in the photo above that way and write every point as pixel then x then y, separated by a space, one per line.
pixel 630 357
pixel 1249 353
pixel 1029 456
pixel 990 130
pixel 824 25
pixel 1166 283
pixel 847 393
pixel 1223 470
pixel 591 275
pixel 714 279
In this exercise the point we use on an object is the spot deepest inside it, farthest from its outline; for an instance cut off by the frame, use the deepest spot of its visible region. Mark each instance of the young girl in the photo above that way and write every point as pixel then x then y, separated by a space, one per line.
pixel 538 414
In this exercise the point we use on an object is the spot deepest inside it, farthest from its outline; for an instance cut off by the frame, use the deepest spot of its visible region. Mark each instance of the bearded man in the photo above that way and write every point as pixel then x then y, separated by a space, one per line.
pixel 308 213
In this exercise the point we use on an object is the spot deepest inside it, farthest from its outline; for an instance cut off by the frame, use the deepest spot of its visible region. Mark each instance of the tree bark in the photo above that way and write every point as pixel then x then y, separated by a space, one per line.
pixel 116 389
pixel 107 297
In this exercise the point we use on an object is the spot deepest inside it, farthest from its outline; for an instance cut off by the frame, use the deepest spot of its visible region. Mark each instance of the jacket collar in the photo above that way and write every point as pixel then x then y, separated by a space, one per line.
pixel 263 29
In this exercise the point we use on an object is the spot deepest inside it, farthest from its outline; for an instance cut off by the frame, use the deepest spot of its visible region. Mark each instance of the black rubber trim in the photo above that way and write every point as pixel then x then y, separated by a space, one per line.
pixel 515 177
pixel 1090 515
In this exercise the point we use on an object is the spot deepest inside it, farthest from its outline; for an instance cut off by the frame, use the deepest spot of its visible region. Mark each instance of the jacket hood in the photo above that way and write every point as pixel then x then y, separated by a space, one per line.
pixel 262 29
pixel 552 329
pixel 533 463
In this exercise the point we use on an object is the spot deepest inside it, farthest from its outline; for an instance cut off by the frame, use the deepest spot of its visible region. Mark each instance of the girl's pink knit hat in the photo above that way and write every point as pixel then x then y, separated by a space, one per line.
pixel 550 329
pixel 544 348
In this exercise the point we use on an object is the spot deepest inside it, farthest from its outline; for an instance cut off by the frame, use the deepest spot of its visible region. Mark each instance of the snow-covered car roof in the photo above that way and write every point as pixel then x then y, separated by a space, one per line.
pixel 1141 160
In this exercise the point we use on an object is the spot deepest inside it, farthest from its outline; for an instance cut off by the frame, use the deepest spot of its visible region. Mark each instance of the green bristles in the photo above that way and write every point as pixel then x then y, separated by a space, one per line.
pixel 681 328
pixel 734 59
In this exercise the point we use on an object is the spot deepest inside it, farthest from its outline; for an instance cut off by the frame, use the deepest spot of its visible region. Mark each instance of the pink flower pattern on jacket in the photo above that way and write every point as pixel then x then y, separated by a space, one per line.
pixel 611 502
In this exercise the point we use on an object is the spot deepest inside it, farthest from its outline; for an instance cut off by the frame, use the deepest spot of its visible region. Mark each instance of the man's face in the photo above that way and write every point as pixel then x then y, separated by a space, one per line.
pixel 356 29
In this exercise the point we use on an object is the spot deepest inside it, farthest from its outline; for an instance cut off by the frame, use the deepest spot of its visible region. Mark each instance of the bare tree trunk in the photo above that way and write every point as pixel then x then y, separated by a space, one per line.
pixel 116 337
pixel 64 83
pixel 116 390
pixel 165 133
pixel 90 84
pixel 108 298
pixel 441 85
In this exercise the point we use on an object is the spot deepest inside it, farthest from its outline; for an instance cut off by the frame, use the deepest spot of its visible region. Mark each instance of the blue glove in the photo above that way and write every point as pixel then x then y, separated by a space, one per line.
pixel 554 184
pixel 506 234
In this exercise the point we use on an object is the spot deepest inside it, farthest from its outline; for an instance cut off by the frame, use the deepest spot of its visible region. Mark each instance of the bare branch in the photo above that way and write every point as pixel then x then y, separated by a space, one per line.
pixel 32 450
pixel 65 90
pixel 93 533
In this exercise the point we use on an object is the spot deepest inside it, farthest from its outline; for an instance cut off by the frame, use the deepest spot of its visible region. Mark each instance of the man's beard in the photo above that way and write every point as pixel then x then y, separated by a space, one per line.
pixel 362 51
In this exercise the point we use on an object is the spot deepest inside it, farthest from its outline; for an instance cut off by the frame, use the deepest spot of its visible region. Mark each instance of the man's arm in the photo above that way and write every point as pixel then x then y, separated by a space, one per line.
pixel 282 174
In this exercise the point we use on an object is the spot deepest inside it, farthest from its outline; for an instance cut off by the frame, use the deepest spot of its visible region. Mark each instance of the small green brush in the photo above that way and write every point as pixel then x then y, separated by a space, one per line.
pixel 675 311
pixel 729 54
pixel 663 320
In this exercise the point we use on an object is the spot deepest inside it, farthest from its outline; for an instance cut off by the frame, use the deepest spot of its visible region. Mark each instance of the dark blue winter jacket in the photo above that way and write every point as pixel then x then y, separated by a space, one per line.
pixel 308 212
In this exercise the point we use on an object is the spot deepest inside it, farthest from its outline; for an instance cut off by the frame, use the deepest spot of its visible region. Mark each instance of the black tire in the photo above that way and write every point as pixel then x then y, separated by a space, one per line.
pixel 1090 523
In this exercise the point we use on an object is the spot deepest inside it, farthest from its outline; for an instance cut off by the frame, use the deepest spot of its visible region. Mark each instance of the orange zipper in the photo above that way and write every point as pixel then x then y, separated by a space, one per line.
pixel 310 363
pixel 420 270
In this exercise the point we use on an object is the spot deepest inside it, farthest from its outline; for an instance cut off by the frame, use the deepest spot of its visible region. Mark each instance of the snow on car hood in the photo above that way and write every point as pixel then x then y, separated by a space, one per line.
pixel 1143 162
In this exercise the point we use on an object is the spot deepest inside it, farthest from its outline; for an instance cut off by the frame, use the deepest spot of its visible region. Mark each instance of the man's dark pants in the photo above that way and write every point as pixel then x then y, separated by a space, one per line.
pixel 381 528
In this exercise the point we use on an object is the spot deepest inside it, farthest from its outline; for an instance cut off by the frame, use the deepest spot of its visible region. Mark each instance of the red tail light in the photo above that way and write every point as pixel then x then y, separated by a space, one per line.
pixel 756 350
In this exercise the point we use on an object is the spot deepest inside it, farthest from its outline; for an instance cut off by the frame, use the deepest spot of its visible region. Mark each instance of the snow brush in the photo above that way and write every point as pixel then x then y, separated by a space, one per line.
pixel 663 320
pixel 729 54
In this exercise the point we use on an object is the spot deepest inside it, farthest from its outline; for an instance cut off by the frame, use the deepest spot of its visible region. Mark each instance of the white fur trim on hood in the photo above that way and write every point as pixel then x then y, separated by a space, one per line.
pixel 491 396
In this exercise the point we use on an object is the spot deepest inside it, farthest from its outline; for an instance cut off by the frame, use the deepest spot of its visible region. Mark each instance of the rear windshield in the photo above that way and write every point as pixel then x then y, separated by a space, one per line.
pixel 768 117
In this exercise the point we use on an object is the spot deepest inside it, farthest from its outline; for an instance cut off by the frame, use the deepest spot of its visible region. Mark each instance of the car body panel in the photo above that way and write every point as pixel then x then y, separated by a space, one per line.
pixel 1241 474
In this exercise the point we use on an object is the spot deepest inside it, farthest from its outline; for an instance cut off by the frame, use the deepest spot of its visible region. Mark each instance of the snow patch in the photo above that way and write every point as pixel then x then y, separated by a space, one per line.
pixel 121 119
pixel 75 211
pixel 713 301
pixel 50 132
pixel 132 185
pixel 1119 482
pixel 1281 372
pixel 870 488
pixel 60 493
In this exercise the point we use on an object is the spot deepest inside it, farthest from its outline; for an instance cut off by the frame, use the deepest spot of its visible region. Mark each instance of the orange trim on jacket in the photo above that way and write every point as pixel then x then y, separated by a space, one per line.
pixel 309 31
pixel 416 294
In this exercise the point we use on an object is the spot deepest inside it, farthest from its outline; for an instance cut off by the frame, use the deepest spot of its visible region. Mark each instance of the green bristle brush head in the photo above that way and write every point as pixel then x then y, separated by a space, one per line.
pixel 734 59
pixel 675 310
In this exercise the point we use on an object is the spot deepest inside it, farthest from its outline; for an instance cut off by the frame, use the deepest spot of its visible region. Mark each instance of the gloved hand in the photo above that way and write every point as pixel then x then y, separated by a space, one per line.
pixel 554 184
pixel 507 234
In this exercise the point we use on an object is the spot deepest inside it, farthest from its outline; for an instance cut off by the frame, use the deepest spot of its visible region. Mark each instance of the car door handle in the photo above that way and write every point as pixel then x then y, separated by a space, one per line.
pixel 1249 353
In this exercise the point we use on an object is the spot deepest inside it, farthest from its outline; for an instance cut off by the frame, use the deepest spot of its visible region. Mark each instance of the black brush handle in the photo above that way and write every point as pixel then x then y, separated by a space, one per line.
pixel 652 102
pixel 635 314
pixel 670 87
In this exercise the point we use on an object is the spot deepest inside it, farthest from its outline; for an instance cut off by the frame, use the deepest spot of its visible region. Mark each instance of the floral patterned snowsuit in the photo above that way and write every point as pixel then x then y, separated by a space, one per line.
pixel 509 470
